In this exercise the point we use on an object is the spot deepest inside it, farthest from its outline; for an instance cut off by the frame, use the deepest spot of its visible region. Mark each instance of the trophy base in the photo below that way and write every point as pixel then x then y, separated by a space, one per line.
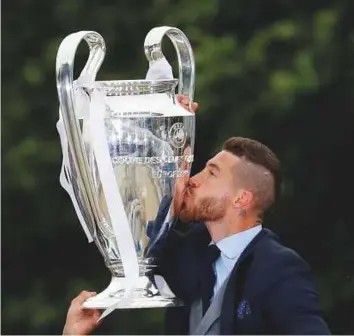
pixel 149 292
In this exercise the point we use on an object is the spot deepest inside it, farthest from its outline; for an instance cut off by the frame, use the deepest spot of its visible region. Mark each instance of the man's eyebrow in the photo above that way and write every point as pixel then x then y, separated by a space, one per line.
pixel 213 165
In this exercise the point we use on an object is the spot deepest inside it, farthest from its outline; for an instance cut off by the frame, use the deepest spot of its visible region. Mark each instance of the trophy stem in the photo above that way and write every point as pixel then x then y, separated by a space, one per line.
pixel 150 291
pixel 146 265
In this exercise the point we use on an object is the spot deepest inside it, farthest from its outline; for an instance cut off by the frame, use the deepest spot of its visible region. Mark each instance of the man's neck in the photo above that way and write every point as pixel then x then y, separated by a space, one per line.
pixel 224 228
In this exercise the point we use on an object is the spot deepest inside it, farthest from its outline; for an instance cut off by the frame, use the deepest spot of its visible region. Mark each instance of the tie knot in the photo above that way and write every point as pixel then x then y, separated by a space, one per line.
pixel 213 253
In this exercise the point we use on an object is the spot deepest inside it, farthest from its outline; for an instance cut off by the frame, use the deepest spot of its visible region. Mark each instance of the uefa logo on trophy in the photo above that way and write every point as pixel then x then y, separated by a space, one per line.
pixel 125 143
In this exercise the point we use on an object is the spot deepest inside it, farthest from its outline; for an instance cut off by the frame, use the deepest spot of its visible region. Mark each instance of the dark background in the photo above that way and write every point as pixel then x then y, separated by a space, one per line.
pixel 280 71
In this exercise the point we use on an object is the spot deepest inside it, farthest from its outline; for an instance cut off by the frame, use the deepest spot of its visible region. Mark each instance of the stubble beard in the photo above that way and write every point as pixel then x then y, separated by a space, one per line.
pixel 208 209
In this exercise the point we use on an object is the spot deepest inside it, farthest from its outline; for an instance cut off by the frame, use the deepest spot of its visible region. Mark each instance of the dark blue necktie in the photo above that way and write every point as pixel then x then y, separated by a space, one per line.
pixel 208 276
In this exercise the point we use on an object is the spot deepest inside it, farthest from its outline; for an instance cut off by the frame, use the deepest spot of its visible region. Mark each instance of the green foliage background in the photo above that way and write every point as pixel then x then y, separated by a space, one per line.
pixel 280 71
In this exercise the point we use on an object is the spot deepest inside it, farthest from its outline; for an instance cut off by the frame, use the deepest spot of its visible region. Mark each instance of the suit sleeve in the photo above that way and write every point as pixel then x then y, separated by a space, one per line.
pixel 175 253
pixel 291 304
pixel 177 258
pixel 166 248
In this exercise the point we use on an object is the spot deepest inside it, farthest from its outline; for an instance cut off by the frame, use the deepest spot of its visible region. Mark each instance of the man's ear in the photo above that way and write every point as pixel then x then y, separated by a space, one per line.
pixel 243 199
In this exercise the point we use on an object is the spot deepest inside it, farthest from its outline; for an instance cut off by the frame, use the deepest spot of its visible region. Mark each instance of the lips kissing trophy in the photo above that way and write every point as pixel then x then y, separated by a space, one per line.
pixel 124 144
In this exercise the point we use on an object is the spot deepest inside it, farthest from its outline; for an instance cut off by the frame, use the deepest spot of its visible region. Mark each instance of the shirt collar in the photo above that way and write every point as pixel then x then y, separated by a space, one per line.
pixel 232 246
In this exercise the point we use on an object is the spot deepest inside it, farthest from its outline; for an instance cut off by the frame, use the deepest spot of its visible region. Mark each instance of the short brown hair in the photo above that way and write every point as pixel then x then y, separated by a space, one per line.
pixel 261 173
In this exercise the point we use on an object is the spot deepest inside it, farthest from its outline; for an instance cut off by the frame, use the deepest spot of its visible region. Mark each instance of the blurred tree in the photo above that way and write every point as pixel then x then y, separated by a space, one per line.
pixel 279 71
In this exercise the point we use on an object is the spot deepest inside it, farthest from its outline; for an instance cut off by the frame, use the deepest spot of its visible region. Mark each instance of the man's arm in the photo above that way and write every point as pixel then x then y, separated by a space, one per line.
pixel 291 304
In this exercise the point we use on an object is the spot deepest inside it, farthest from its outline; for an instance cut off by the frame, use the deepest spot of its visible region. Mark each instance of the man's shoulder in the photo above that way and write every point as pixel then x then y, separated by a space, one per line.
pixel 270 262
pixel 270 255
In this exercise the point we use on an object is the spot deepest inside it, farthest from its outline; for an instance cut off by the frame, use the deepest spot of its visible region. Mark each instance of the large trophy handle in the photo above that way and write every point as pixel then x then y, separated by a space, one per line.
pixel 153 52
pixel 64 74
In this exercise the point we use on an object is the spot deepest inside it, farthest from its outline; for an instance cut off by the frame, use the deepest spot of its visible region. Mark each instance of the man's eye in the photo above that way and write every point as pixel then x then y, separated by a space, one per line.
pixel 212 173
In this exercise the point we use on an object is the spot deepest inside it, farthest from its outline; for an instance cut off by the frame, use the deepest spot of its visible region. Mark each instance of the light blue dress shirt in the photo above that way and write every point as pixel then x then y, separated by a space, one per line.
pixel 230 247
pixel 230 250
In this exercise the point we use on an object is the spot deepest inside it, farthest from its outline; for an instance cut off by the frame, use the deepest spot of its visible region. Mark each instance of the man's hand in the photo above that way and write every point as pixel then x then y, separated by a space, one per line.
pixel 183 100
pixel 81 321
pixel 180 188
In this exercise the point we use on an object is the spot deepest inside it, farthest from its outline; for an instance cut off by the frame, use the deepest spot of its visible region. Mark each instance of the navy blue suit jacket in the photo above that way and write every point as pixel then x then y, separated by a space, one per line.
pixel 270 290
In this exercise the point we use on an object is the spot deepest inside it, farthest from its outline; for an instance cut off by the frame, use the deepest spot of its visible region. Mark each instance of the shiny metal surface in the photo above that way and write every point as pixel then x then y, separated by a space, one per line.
pixel 150 140
pixel 147 156
pixel 137 87
pixel 81 178
pixel 186 64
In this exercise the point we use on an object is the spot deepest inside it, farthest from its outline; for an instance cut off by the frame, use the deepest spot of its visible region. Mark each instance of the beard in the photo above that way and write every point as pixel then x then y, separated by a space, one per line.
pixel 206 209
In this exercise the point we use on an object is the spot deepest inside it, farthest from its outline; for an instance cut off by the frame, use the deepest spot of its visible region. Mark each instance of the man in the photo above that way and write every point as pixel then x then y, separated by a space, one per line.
pixel 234 276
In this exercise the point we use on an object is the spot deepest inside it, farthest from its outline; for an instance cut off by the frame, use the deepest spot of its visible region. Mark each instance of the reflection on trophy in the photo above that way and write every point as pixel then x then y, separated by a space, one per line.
pixel 125 143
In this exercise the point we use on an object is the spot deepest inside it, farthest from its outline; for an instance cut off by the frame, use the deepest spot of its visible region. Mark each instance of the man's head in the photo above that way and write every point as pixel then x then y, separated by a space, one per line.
pixel 238 181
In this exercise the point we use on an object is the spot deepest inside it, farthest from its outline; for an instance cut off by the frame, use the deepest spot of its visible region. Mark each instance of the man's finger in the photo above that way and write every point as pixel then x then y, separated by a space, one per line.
pixel 182 99
pixel 96 315
pixel 185 102
pixel 83 296
pixel 195 107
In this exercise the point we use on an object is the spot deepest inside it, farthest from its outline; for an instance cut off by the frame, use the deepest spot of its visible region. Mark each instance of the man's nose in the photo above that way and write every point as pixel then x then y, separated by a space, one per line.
pixel 193 182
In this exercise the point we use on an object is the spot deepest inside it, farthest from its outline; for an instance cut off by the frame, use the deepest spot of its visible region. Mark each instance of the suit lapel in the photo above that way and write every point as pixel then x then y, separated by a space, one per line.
pixel 195 243
pixel 212 314
pixel 234 289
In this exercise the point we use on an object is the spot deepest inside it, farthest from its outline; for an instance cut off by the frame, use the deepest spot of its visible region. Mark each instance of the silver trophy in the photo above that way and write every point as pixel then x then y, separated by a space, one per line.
pixel 125 146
